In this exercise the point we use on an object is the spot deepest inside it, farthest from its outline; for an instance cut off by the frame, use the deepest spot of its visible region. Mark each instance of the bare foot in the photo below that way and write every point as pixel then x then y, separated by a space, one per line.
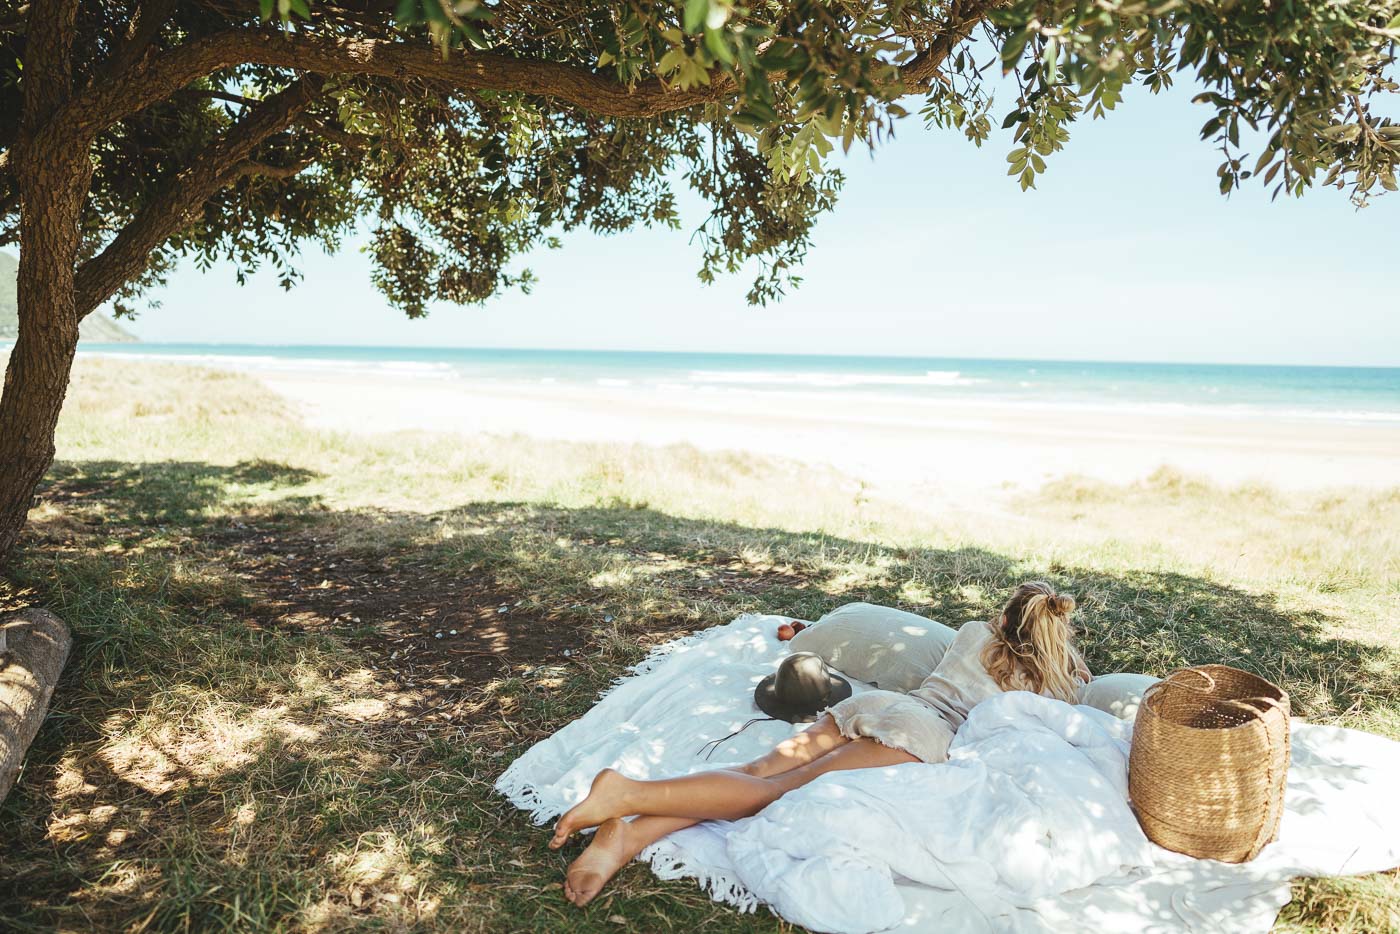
pixel 604 801
pixel 609 852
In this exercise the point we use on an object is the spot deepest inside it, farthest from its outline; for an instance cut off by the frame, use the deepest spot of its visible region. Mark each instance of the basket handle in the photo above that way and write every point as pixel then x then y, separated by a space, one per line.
pixel 1245 703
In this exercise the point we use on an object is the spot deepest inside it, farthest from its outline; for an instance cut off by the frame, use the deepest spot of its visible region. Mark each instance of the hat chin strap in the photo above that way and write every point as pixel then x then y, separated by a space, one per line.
pixel 714 743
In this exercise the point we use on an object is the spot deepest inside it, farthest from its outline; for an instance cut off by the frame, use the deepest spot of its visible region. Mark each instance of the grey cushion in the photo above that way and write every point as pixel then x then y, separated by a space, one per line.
pixel 879 645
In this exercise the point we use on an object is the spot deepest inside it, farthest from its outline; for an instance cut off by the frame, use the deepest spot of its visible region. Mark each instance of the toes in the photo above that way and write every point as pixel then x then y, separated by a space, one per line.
pixel 585 891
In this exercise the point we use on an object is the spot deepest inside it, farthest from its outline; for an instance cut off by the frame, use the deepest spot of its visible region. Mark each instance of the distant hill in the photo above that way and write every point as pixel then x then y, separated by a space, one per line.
pixel 95 327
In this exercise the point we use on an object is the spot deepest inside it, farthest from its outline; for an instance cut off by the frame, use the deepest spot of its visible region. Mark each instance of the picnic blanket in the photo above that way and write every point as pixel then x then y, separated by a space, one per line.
pixel 1025 828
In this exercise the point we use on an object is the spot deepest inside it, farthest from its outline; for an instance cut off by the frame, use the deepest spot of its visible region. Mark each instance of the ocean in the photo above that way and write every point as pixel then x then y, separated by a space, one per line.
pixel 1351 394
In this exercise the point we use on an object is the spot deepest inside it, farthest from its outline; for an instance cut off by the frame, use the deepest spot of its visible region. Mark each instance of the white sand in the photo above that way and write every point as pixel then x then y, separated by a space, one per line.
pixel 944 448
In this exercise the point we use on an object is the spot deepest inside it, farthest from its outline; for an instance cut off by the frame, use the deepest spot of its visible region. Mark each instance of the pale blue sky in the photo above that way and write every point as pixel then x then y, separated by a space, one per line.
pixel 1125 252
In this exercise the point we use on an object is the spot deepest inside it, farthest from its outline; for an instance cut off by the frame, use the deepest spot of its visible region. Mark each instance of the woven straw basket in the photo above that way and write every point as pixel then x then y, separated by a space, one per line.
pixel 1209 762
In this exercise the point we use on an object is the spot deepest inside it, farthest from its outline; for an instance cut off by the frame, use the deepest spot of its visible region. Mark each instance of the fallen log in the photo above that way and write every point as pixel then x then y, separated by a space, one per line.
pixel 34 648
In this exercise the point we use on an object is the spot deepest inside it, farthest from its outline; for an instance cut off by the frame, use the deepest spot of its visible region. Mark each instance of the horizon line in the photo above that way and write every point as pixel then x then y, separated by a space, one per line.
pixel 734 353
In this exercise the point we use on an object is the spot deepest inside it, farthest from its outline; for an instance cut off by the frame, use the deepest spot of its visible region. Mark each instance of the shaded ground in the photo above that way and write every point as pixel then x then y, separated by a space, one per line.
pixel 261 728
pixel 409 617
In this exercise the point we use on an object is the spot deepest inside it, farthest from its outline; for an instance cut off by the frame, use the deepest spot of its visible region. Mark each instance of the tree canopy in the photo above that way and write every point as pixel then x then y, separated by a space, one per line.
pixel 472 132
pixel 469 132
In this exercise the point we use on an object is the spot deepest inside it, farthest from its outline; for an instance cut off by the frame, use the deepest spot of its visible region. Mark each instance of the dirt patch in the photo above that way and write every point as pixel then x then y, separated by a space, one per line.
pixel 409 618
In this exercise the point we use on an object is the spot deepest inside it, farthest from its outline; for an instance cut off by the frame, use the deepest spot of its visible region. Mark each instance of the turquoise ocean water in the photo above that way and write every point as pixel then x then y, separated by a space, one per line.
pixel 1354 394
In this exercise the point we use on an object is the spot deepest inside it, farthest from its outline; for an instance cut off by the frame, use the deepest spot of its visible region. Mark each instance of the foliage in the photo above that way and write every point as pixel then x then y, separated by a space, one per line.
pixel 461 179
pixel 1302 76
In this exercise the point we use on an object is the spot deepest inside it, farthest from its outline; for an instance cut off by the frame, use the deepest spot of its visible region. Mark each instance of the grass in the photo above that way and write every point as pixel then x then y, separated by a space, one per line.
pixel 259 731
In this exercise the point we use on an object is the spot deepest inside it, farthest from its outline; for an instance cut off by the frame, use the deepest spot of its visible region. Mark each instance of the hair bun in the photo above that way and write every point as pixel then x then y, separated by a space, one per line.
pixel 1061 604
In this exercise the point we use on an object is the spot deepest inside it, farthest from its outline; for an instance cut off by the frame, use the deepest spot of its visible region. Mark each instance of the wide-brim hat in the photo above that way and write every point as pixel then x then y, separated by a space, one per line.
pixel 802 687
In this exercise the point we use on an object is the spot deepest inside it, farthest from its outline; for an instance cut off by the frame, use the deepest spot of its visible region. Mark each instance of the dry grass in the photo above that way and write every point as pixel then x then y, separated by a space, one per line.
pixel 209 766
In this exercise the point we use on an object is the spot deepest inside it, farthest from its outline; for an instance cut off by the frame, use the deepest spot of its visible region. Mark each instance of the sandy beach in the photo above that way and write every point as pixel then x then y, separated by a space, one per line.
pixel 940 448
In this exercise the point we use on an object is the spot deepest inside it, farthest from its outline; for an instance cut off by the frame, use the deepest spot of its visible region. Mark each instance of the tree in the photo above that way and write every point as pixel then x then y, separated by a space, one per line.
pixel 471 132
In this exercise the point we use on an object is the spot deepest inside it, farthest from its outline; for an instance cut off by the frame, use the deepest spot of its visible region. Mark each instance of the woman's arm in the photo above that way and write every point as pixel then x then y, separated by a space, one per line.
pixel 1081 669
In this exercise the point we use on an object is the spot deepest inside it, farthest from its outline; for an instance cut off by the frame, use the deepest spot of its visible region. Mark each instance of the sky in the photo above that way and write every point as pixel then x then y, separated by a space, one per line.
pixel 1125 251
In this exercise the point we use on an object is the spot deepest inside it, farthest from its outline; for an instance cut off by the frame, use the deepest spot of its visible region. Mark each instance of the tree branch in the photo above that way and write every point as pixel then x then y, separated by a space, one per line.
pixel 335 133
pixel 141 31
pixel 211 94
pixel 162 75
pixel 964 15
pixel 159 76
pixel 252 167
pixel 171 209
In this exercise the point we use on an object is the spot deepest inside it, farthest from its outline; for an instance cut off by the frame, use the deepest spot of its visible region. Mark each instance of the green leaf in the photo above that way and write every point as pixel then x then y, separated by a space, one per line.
pixel 746 121
pixel 695 13
pixel 672 60
pixel 762 111
pixel 785 55
pixel 1050 57
pixel 1015 44
pixel 267 7
pixel 714 41
pixel 474 35
pixel 407 12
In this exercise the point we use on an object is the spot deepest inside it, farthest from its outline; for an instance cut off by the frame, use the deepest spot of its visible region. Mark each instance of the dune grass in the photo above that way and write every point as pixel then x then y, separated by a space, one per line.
pixel 227 754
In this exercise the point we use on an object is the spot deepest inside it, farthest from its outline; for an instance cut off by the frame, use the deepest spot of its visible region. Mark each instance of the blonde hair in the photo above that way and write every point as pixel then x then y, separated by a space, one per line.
pixel 1031 649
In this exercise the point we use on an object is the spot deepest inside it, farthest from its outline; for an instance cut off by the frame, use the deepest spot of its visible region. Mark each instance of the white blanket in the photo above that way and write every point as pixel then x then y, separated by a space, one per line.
pixel 1025 828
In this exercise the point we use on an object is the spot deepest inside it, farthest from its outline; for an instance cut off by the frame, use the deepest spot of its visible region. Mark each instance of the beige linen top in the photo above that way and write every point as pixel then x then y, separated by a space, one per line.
pixel 960 682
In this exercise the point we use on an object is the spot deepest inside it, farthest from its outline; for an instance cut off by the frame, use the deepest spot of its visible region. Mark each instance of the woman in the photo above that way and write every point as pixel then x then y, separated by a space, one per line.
pixel 1027 648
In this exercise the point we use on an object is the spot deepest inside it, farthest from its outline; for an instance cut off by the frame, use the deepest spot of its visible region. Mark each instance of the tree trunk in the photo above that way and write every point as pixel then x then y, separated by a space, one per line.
pixel 37 650
pixel 36 379
pixel 52 172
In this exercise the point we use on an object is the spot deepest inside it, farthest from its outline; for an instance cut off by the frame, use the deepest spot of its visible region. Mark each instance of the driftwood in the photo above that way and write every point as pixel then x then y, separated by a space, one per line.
pixel 34 647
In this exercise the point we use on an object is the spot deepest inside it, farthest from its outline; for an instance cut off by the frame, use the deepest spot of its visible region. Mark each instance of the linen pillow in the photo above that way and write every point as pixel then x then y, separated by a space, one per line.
pixel 882 646
pixel 1118 694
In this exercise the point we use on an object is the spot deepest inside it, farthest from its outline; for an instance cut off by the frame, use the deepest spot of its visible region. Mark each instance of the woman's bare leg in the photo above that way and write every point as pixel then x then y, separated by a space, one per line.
pixel 812 743
pixel 717 795
pixel 618 842
pixel 722 794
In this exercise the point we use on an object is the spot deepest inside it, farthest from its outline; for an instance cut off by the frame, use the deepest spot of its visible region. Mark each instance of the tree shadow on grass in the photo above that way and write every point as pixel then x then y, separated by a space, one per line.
pixel 168 491
pixel 1131 620
pixel 201 771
